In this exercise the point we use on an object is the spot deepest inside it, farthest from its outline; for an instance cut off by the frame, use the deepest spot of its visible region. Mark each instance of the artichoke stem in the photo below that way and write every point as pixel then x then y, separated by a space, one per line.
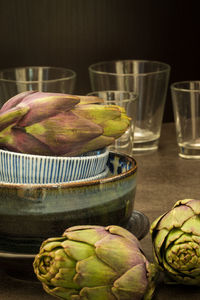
pixel 153 280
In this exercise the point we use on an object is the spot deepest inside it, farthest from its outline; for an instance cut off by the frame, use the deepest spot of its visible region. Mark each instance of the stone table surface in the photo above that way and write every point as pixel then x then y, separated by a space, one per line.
pixel 163 178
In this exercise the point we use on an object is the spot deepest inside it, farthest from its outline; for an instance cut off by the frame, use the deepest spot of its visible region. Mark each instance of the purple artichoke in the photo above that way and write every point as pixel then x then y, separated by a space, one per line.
pixel 59 124
pixel 95 263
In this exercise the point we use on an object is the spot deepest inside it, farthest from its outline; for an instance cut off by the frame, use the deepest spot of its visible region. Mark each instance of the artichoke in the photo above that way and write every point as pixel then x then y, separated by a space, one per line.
pixel 59 124
pixel 176 242
pixel 95 263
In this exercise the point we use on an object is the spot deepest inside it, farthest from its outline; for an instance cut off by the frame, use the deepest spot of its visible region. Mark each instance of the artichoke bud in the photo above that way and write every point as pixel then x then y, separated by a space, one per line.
pixel 94 262
pixel 176 242
pixel 59 124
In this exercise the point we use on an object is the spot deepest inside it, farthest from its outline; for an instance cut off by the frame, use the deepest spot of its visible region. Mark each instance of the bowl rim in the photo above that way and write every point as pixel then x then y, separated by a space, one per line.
pixel 48 157
pixel 83 184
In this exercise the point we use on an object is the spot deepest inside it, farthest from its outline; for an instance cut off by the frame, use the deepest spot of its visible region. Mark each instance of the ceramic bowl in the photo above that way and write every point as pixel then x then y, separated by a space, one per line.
pixel 38 169
pixel 99 176
pixel 30 213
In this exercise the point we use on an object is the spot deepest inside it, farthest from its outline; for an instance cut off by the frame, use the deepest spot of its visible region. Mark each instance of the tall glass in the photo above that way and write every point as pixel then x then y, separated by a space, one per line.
pixel 128 101
pixel 186 105
pixel 40 78
pixel 149 80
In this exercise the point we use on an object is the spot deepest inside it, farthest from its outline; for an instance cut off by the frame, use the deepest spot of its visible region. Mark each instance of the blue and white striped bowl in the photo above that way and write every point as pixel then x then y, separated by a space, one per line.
pixel 38 169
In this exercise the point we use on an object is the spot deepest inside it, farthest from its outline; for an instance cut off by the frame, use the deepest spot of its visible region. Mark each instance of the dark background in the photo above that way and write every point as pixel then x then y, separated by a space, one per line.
pixel 77 33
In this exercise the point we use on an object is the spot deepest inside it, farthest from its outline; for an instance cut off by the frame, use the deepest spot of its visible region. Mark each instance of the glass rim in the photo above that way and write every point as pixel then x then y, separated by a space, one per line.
pixel 72 76
pixel 134 95
pixel 166 69
pixel 174 86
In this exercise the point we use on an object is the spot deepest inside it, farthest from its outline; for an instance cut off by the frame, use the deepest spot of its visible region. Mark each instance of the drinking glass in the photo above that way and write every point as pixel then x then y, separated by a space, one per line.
pixel 149 80
pixel 186 105
pixel 128 101
pixel 40 78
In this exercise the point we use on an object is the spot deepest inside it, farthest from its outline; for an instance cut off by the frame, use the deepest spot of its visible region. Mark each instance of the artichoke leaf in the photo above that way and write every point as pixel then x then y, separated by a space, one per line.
pixel 159 241
pixel 52 243
pixel 182 202
pixel 97 293
pixel 14 101
pixel 184 279
pixel 195 273
pixel 115 128
pixel 61 292
pixel 77 250
pixel 12 116
pixel 194 205
pixel 173 236
pixel 175 218
pixel 94 272
pixel 90 100
pixel 192 225
pixel 89 236
pixel 167 266
pixel 98 113
pixel 46 105
pixel 97 143
pixel 155 223
pixel 157 259
pixel 64 278
pixel 119 253
pixel 132 284
pixel 65 132
pixel 16 139
pixel 123 233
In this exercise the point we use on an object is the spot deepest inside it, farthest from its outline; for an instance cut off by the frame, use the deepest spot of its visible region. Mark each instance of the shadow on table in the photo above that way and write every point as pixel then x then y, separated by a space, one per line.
pixel 176 292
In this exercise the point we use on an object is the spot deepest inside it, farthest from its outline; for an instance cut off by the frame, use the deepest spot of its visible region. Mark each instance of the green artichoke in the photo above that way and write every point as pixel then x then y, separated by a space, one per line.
pixel 59 124
pixel 176 242
pixel 94 263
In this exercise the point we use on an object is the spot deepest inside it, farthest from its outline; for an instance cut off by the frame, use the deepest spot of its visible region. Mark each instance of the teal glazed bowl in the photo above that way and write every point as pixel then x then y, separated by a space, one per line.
pixel 30 213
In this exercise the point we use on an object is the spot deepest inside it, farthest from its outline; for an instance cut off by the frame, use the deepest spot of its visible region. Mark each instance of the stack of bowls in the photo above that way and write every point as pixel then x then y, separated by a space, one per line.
pixel 30 213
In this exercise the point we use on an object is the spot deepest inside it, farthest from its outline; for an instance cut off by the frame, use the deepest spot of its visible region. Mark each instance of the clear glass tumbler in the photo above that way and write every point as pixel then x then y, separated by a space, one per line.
pixel 186 105
pixel 149 80
pixel 128 101
pixel 40 78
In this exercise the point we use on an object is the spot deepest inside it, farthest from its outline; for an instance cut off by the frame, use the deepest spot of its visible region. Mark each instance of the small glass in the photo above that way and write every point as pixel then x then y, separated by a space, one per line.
pixel 186 105
pixel 39 78
pixel 128 101
pixel 149 80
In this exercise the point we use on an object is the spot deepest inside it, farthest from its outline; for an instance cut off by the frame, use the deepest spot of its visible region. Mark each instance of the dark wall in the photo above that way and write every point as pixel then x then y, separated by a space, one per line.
pixel 76 33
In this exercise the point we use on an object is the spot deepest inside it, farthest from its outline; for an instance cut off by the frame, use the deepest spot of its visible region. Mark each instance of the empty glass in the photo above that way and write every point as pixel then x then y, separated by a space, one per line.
pixel 40 78
pixel 149 80
pixel 128 101
pixel 186 105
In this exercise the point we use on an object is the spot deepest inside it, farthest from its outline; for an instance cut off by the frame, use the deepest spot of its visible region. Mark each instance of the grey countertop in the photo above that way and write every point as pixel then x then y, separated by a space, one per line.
pixel 163 178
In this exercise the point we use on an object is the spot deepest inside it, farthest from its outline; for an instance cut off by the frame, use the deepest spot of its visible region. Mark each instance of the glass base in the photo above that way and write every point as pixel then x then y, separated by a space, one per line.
pixel 189 153
pixel 145 147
